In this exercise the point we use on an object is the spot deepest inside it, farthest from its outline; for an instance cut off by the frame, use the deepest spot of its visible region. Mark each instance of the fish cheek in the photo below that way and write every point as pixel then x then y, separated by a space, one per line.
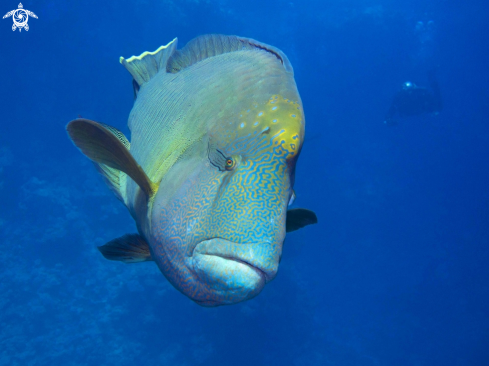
pixel 179 218
pixel 251 203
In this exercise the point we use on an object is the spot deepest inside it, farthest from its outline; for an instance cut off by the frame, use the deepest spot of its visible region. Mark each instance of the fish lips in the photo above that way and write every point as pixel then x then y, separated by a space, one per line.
pixel 263 258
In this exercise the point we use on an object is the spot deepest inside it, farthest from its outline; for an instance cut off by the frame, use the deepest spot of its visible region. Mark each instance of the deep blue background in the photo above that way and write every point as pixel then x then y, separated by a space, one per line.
pixel 395 273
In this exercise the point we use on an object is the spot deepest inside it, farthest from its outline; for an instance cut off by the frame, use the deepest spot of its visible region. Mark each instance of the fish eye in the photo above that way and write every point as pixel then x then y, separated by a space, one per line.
pixel 229 164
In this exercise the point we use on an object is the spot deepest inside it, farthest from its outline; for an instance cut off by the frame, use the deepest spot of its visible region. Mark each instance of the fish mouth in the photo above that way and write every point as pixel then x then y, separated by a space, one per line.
pixel 254 268
pixel 248 254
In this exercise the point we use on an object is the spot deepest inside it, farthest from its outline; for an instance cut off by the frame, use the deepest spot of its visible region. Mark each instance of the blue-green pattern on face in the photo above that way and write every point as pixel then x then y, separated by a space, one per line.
pixel 219 238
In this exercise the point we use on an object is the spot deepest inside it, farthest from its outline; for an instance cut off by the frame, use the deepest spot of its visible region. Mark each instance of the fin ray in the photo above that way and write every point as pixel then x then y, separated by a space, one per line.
pixel 102 146
pixel 210 45
pixel 297 218
pixel 129 248
pixel 145 66
pixel 112 179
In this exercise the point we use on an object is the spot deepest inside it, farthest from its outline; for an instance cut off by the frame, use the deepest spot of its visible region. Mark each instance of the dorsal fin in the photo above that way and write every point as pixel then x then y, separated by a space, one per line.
pixel 103 146
pixel 147 64
pixel 211 45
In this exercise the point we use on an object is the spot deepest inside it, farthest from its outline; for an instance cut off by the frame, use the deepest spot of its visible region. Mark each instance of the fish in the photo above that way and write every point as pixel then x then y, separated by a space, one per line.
pixel 216 131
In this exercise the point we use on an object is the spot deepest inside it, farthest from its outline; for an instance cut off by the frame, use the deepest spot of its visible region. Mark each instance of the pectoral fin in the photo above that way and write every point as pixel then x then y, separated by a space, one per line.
pixel 129 248
pixel 297 218
pixel 99 143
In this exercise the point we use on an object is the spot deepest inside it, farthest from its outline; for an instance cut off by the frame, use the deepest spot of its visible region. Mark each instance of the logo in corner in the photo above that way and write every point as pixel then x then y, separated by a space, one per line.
pixel 20 17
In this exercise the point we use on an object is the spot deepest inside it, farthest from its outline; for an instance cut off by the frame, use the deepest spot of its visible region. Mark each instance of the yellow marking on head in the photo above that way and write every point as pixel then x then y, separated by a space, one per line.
pixel 281 117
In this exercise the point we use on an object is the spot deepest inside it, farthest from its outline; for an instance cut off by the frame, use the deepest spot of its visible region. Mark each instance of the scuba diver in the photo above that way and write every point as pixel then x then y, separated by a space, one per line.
pixel 413 100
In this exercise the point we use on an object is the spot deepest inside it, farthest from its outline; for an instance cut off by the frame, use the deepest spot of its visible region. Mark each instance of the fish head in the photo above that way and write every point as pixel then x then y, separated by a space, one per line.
pixel 219 236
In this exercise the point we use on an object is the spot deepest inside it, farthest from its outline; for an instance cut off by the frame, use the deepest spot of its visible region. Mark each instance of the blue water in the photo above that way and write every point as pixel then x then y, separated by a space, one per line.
pixel 395 273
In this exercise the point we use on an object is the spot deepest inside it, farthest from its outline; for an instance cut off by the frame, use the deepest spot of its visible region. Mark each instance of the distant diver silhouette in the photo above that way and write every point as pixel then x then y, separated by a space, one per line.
pixel 413 100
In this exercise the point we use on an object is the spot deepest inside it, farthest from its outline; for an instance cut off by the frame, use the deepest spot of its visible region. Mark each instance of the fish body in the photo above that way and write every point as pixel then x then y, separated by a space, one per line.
pixel 216 130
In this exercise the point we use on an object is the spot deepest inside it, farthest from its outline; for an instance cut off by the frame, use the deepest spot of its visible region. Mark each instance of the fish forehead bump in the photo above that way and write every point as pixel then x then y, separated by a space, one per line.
pixel 280 119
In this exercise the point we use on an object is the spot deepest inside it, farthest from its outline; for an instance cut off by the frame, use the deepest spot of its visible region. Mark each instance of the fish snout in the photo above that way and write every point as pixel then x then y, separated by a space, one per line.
pixel 230 272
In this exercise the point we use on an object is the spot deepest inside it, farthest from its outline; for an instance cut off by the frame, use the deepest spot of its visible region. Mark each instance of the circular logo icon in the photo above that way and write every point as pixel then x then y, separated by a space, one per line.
pixel 20 17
